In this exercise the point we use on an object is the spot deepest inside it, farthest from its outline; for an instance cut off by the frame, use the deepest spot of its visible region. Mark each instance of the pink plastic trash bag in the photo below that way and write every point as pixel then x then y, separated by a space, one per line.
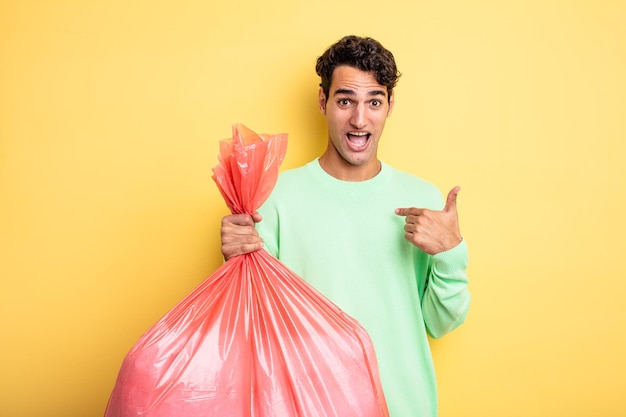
pixel 253 339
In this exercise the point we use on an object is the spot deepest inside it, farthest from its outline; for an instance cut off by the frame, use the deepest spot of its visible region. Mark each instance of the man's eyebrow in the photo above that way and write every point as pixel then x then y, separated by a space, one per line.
pixel 349 92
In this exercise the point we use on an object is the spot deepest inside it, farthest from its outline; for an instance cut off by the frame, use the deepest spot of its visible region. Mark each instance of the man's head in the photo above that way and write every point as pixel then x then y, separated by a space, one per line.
pixel 365 54
pixel 356 97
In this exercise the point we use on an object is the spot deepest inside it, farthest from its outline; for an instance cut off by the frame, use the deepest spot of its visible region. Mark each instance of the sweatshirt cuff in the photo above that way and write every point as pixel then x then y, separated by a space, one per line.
pixel 452 259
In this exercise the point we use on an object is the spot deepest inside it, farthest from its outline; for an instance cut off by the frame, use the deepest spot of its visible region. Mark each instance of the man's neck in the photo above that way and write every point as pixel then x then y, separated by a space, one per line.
pixel 339 168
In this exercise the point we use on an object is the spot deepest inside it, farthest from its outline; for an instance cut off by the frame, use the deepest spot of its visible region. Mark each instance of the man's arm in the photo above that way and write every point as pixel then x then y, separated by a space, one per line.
pixel 446 298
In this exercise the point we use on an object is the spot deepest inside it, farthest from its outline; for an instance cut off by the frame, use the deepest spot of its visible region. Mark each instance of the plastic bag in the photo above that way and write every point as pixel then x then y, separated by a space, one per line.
pixel 253 339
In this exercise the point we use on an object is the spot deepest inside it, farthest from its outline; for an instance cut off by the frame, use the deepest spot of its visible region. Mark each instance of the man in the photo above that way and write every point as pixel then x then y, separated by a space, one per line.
pixel 380 243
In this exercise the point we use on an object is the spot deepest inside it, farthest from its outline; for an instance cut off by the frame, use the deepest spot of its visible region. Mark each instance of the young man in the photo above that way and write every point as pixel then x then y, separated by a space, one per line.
pixel 380 243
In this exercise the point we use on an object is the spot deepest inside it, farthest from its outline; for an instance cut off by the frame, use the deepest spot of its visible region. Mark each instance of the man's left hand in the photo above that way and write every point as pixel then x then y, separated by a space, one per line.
pixel 430 230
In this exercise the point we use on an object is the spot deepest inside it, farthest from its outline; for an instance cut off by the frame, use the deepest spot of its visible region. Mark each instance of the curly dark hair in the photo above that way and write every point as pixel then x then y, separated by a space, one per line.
pixel 363 53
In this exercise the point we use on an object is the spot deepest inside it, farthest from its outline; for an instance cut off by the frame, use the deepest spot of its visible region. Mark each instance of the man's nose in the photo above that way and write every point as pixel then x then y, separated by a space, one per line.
pixel 358 116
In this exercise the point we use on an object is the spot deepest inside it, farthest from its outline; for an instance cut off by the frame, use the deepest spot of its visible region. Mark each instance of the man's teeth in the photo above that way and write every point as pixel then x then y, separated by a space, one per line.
pixel 358 138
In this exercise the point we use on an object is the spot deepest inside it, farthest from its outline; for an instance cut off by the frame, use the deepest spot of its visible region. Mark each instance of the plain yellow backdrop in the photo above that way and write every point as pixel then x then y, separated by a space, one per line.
pixel 110 117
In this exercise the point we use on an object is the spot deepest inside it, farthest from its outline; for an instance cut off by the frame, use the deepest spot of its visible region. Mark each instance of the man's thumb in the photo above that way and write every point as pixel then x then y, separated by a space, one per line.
pixel 451 200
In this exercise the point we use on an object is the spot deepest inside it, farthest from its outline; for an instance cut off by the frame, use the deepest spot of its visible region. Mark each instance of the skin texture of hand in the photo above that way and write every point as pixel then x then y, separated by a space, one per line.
pixel 430 230
pixel 239 235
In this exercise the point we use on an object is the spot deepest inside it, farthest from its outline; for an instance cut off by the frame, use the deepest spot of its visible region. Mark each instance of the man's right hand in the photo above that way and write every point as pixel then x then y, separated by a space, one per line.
pixel 239 235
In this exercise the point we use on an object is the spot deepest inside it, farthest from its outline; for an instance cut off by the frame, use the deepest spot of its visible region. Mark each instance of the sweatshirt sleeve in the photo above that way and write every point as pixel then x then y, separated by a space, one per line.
pixel 446 298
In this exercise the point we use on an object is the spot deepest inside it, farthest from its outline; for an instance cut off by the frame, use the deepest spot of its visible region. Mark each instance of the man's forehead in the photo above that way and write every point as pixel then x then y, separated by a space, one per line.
pixel 352 81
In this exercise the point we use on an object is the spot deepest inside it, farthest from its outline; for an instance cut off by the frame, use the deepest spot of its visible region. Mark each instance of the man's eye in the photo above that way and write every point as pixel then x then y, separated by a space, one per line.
pixel 376 103
pixel 344 102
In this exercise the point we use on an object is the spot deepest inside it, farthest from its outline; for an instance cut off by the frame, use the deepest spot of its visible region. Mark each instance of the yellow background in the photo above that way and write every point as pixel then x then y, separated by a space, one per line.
pixel 110 117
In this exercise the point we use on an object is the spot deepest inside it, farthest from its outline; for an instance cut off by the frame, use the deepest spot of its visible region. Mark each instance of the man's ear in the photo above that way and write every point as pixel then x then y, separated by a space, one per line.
pixel 392 102
pixel 321 101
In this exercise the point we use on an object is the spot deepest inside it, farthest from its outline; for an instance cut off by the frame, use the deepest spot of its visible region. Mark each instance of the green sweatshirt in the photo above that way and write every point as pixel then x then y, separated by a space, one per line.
pixel 345 239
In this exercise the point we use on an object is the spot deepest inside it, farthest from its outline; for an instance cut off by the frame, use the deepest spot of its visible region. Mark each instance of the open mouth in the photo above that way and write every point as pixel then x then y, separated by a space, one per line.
pixel 358 140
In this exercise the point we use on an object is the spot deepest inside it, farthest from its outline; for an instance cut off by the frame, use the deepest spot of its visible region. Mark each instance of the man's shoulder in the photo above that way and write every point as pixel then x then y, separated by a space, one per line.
pixel 295 175
pixel 411 179
pixel 293 185
pixel 420 191
pixel 293 172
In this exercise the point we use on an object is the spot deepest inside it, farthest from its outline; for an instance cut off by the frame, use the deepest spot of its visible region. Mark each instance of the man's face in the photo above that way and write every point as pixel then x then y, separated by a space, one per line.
pixel 356 111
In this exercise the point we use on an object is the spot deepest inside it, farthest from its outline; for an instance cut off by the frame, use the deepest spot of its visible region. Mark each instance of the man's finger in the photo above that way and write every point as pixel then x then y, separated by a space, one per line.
pixel 451 200
pixel 409 211
pixel 241 219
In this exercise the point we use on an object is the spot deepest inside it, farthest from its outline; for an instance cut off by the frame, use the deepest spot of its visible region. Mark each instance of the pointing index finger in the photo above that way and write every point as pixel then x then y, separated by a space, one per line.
pixel 409 211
